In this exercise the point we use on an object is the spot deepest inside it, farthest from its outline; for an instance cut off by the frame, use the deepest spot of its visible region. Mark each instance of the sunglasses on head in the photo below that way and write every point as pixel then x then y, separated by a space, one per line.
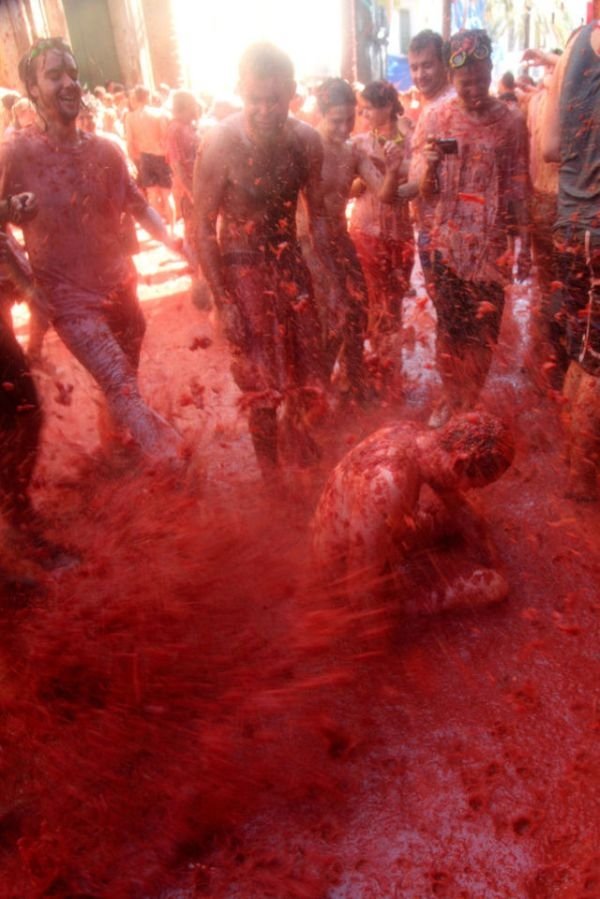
pixel 477 50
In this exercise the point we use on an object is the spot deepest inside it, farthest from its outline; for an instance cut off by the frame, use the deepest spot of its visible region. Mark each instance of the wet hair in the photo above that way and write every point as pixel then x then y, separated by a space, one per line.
pixel 334 92
pixel 482 444
pixel 476 38
pixel 425 39
pixel 40 47
pixel 382 93
pixel 141 94
pixel 264 60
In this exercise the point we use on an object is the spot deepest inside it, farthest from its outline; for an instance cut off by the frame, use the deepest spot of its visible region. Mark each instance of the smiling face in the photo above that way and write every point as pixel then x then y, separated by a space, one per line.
pixel 427 70
pixel 472 84
pixel 266 104
pixel 56 90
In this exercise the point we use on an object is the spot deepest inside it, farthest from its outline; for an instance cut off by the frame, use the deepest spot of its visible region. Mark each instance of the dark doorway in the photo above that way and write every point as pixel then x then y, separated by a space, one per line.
pixel 93 41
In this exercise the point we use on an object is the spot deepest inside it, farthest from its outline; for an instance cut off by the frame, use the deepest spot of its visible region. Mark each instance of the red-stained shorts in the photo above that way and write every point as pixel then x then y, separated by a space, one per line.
pixel 387 266
pixel 281 349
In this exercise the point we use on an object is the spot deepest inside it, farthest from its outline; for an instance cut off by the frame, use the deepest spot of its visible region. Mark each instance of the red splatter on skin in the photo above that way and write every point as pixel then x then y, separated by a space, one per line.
pixel 200 343
pixel 189 714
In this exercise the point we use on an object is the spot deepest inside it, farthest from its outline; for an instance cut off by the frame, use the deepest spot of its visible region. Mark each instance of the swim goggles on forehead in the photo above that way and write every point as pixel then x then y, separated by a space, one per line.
pixel 472 47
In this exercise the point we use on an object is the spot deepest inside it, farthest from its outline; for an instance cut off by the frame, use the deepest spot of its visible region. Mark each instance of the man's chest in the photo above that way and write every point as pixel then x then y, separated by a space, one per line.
pixel 264 178
pixel 66 181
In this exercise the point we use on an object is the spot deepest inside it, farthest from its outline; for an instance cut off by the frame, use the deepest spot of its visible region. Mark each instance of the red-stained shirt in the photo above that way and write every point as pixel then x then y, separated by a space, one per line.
pixel 75 241
pixel 483 188
pixel 424 207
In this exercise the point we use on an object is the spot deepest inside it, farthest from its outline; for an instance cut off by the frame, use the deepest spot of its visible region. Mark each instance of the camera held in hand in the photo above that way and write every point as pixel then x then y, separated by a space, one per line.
pixel 448 146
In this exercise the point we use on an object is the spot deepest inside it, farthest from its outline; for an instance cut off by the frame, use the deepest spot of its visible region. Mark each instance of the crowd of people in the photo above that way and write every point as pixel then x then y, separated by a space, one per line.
pixel 303 219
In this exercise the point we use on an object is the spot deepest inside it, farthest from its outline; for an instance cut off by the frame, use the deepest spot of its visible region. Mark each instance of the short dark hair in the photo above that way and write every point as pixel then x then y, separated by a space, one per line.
pixel 334 92
pixel 40 47
pixel 382 93
pixel 508 81
pixel 425 39
pixel 265 60
pixel 482 444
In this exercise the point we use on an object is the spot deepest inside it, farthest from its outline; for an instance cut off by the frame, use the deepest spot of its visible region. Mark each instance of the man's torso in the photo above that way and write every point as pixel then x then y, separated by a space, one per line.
pixel 258 206
pixel 82 192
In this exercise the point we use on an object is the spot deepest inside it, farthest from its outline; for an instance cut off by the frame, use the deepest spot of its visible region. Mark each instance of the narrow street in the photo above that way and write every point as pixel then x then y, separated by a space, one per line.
pixel 186 712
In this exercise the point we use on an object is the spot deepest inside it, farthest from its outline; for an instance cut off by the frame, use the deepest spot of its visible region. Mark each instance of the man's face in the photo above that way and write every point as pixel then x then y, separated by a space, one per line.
pixel 338 123
pixel 266 104
pixel 472 84
pixel 57 91
pixel 427 70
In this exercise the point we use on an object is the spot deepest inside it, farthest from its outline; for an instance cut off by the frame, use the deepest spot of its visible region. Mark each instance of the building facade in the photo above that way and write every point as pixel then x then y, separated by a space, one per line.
pixel 127 41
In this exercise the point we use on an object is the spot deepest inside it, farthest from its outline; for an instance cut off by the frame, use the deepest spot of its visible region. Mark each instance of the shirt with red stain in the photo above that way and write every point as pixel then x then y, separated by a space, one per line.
pixel 75 241
pixel 483 188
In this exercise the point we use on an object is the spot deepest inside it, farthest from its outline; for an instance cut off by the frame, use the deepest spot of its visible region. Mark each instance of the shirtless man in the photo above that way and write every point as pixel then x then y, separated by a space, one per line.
pixel 345 322
pixel 75 243
pixel 374 514
pixel 249 175
pixel 146 136
pixel 182 147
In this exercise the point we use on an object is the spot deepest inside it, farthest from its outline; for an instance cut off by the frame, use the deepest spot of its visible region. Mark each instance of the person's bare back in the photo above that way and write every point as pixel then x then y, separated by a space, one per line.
pixel 396 495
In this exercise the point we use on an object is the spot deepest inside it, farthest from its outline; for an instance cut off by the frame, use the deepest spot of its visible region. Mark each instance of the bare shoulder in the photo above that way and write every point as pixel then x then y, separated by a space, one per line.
pixel 305 133
pixel 380 448
pixel 22 145
pixel 224 137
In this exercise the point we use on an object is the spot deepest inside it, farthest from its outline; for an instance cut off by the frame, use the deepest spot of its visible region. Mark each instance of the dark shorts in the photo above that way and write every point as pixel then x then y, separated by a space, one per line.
pixel 468 312
pixel 155 171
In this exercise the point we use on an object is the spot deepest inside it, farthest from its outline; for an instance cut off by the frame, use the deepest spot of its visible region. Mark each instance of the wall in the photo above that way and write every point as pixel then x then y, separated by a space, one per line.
pixel 131 41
